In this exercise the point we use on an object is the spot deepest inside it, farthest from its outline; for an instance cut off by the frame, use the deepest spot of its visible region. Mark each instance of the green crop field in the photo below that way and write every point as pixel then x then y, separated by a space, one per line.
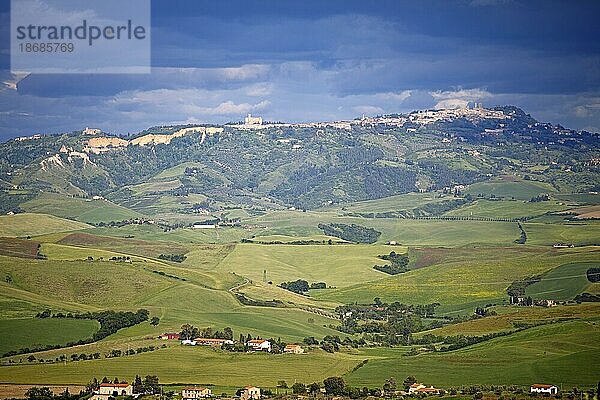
pixel 576 233
pixel 336 265
pixel 507 209
pixel 461 279
pixel 393 203
pixel 564 282
pixel 510 188
pixel 405 231
pixel 96 283
pixel 85 210
pixel 193 365
pixel 145 248
pixel 510 316
pixel 459 264
pixel 20 225
pixel 562 353
pixel 20 333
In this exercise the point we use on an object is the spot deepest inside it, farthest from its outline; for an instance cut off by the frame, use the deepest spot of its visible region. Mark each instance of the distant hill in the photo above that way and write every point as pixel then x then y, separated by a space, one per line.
pixel 303 166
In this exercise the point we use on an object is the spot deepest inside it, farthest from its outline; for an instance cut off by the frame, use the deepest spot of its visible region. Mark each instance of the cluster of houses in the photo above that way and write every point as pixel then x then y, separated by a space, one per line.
pixel 108 390
pixel 113 390
pixel 419 388
pixel 529 302
pixel 543 389
pixel 253 345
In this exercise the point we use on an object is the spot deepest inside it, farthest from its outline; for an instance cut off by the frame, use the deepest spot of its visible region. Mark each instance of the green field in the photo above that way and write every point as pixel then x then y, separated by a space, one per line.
pixel 507 209
pixel 563 353
pixel 404 231
pixel 509 317
pixel 336 265
pixel 20 333
pixel 461 264
pixel 85 210
pixel 20 225
pixel 194 365
pixel 510 188
pixel 460 279
pixel 564 282
pixel 577 233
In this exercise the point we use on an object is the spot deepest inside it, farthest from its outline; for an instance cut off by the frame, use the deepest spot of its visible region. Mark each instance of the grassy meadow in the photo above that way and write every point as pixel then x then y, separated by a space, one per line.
pixel 461 264
pixel 563 353
pixel 19 333
pixel 22 225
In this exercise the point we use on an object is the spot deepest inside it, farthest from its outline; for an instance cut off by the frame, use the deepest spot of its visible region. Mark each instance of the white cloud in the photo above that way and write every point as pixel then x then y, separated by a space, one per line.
pixel 451 103
pixel 464 94
pixel 399 97
pixel 259 89
pixel 458 98
pixel 230 108
pixel 368 110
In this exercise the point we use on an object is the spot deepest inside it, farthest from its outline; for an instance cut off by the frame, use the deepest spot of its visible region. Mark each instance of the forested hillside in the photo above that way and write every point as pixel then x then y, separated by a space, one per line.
pixel 304 166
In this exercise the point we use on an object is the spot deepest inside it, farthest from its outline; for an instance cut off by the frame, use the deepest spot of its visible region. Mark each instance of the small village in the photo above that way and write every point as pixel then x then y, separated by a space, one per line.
pixel 332 388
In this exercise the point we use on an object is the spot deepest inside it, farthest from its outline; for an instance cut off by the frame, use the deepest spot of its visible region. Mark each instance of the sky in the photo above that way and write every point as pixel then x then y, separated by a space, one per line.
pixel 294 61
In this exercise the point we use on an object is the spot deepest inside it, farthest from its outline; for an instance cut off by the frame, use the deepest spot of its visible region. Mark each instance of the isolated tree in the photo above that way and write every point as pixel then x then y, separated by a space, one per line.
pixel 314 388
pixel 228 333
pixel 65 393
pixel 105 380
pixel 409 381
pixel 188 332
pixel 151 384
pixel 39 393
pixel 154 321
pixel 334 385
pixel 390 385
pixel 282 384
pixel 92 385
pixel 137 385
pixel 298 388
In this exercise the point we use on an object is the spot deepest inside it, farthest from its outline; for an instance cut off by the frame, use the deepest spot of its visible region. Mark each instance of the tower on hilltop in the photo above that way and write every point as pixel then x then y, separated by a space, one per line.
pixel 250 120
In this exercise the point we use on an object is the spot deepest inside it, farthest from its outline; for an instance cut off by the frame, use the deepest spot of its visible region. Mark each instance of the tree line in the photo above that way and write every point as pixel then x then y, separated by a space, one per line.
pixel 351 233
pixel 110 322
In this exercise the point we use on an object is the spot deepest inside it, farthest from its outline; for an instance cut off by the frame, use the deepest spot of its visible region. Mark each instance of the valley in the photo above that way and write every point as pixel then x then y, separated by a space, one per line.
pixel 277 241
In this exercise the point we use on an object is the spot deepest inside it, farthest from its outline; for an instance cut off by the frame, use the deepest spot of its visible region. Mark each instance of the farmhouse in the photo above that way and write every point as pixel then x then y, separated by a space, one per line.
pixel 259 345
pixel 195 393
pixel 544 389
pixel 204 226
pixel 169 336
pixel 107 390
pixel 417 388
pixel 212 342
pixel 293 348
pixel 250 393
pixel 188 342
pixel 546 303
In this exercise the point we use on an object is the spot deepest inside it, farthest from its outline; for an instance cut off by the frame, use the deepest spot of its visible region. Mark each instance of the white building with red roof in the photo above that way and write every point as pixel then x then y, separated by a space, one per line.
pixel 259 345
pixel 543 389
pixel 107 390
pixel 190 393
